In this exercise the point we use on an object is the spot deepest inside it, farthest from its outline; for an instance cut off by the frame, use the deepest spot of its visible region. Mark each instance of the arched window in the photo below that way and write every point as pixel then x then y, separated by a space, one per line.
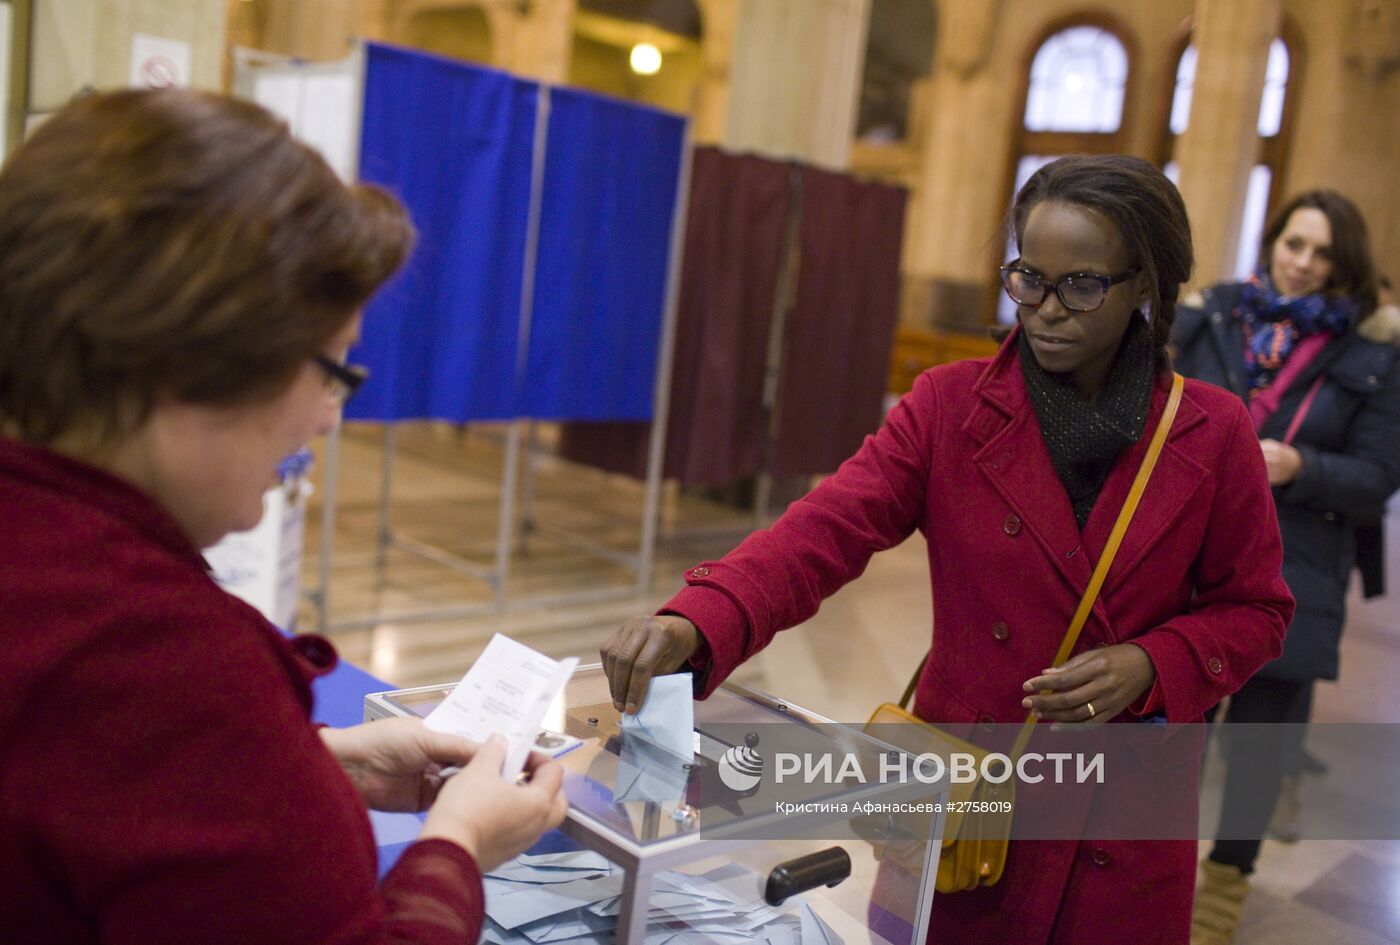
pixel 1075 89
pixel 1262 191
pixel 1185 86
pixel 1077 81
pixel 1275 90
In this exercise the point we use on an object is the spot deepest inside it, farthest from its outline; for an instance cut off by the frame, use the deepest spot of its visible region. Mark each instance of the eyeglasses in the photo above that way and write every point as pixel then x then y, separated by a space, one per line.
pixel 1079 291
pixel 342 380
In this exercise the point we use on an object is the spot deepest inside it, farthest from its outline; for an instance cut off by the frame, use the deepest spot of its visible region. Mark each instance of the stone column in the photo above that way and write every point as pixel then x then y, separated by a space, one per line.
pixel 15 81
pixel 316 30
pixel 377 20
pixel 539 44
pixel 504 24
pixel 1368 146
pixel 531 38
pixel 1221 141
pixel 795 78
pixel 719 19
pixel 960 188
pixel 1342 135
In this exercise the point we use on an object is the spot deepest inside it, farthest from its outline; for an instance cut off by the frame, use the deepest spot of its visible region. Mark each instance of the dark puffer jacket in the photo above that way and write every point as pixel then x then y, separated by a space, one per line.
pixel 1350 444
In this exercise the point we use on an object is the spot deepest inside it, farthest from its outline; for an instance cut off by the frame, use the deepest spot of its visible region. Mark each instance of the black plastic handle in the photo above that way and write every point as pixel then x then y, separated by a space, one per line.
pixel 823 868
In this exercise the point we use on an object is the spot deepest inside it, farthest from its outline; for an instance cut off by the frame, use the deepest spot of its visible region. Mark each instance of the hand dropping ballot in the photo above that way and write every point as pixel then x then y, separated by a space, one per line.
pixel 508 690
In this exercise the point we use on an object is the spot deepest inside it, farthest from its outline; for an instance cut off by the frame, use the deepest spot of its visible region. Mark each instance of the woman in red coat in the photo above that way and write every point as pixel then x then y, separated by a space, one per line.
pixel 180 282
pixel 1014 469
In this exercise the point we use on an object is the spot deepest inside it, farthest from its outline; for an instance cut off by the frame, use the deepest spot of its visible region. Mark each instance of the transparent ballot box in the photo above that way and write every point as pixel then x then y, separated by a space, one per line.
pixel 780 826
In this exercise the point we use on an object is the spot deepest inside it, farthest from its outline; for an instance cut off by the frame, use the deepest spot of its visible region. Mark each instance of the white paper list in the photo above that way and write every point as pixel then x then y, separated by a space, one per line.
pixel 508 691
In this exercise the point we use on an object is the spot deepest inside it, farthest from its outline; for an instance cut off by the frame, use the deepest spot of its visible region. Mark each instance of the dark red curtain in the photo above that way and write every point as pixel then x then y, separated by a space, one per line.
pixel 841 327
pixel 837 336
pixel 733 255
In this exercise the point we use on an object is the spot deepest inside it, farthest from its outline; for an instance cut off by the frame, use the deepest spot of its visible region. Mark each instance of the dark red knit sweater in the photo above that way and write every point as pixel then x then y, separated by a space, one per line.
pixel 160 780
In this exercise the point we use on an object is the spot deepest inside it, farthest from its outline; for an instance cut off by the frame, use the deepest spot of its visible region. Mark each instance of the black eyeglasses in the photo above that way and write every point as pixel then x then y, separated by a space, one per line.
pixel 1079 291
pixel 342 380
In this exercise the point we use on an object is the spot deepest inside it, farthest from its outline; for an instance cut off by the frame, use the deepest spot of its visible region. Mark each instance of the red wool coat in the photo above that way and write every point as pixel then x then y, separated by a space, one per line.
pixel 1196 583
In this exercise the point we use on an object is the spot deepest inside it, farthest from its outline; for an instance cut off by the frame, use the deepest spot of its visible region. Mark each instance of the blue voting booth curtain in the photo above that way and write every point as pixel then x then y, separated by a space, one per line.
pixel 605 238
pixel 455 144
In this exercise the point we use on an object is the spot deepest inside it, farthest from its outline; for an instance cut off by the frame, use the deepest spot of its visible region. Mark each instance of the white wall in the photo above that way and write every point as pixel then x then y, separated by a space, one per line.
pixel 77 43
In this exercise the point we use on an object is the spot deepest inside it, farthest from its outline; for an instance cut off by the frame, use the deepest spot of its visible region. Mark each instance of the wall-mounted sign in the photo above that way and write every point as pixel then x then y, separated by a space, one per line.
pixel 159 63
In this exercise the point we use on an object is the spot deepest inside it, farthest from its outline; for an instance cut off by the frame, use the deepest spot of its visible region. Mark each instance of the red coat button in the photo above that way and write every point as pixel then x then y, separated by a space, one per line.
pixel 701 571
pixel 1100 857
pixel 987 723
pixel 1012 525
pixel 1215 665
pixel 1000 631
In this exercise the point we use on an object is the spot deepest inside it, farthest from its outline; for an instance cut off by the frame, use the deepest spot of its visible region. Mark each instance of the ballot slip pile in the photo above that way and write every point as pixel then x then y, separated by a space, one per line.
pixel 576 898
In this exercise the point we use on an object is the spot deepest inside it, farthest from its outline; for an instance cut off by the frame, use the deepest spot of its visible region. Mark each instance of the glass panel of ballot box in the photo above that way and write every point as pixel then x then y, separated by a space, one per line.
pixel 781 827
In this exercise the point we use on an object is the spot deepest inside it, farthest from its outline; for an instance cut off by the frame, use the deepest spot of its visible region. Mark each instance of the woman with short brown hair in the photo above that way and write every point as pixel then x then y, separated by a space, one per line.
pixel 180 282
pixel 177 244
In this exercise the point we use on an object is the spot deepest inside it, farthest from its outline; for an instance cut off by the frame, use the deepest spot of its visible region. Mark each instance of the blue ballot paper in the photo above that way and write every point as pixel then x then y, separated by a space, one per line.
pixel 667 716
pixel 646 771
pixel 527 906
pixel 815 931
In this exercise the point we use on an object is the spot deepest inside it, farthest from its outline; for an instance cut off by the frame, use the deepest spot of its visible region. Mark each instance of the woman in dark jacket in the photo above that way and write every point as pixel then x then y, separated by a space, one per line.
pixel 1303 343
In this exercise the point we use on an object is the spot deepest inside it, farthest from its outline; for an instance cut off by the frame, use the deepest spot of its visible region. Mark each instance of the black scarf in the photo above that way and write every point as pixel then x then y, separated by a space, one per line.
pixel 1084 439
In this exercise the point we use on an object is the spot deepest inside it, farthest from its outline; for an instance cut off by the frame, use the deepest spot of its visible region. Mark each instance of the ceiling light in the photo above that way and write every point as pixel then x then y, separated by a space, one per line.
pixel 645 59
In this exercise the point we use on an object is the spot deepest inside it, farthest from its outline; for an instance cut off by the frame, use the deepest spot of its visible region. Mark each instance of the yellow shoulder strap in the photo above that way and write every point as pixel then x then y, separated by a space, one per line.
pixel 1115 538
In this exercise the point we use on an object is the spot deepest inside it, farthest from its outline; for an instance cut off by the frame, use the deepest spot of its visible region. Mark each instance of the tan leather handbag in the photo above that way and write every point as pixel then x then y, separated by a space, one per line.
pixel 976 835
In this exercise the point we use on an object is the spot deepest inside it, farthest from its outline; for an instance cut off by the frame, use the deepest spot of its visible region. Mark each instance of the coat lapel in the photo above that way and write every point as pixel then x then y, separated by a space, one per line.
pixel 1013 456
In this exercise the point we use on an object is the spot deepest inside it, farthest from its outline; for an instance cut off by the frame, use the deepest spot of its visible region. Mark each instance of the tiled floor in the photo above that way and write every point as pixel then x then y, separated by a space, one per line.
pixel 855 653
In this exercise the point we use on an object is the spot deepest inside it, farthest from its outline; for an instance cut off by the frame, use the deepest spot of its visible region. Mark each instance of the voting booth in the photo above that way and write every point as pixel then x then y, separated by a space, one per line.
pixel 779 826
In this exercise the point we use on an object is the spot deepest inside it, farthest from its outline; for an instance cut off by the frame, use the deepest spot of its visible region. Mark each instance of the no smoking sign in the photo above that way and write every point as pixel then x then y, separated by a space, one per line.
pixel 159 63
pixel 159 72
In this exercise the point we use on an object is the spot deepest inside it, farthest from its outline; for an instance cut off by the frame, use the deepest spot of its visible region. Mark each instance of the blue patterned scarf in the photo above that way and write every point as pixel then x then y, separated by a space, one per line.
pixel 1274 323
